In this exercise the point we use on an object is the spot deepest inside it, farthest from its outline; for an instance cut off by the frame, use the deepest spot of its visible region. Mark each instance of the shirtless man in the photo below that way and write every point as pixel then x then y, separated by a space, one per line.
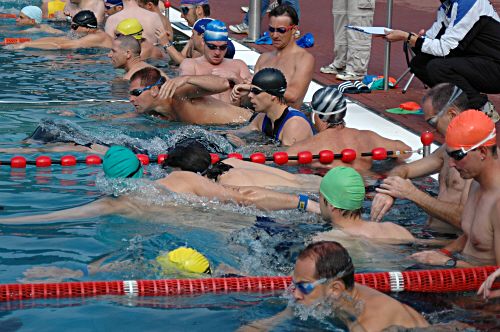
pixel 329 109
pixel 194 157
pixel 323 278
pixel 153 6
pixel 215 41
pixel 192 11
pixel 120 162
pixel 32 16
pixel 132 27
pixel 125 53
pixel 184 98
pixel 295 62
pixel 73 7
pixel 113 6
pixel 275 119
pixel 342 192
pixel 149 20
pixel 85 24
pixel 471 146
pixel 441 104
pixel 53 9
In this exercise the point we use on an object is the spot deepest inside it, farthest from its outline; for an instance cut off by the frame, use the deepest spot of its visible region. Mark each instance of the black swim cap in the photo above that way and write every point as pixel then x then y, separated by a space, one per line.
pixel 85 18
pixel 271 80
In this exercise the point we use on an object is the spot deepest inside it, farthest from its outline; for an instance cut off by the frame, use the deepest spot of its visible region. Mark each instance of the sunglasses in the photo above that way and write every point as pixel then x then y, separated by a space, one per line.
pixel 281 29
pixel 307 288
pixel 215 47
pixel 108 7
pixel 185 9
pixel 138 92
pixel 457 92
pixel 462 153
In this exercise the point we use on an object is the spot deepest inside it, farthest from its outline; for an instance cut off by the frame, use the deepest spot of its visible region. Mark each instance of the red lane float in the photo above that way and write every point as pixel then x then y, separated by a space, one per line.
pixel 8 41
pixel 427 281
pixel 4 15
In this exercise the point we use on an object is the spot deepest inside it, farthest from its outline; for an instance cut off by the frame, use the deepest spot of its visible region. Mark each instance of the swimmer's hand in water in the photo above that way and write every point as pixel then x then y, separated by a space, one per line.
pixel 234 140
pixel 485 289
pixel 49 274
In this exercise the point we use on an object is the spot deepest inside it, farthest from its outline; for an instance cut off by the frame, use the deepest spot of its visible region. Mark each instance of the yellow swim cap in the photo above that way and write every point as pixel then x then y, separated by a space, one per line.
pixel 186 259
pixel 130 27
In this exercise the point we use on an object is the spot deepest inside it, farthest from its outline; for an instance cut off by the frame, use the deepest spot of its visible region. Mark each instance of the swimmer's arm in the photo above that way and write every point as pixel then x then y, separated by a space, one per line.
pixel 495 221
pixel 196 86
pixel 100 40
pixel 267 323
pixel 295 130
pixel 101 207
pixel 266 199
pixel 300 81
pixel 422 167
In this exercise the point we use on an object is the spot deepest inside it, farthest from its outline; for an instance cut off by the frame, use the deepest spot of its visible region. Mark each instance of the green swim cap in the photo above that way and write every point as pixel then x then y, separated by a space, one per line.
pixel 343 188
pixel 120 162
pixel 186 259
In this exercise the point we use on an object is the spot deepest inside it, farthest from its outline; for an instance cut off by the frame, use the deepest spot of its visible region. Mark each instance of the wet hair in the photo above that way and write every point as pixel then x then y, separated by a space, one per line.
pixel 346 213
pixel 331 261
pixel 440 95
pixel 148 76
pixel 129 43
pixel 206 10
pixel 192 156
pixel 285 10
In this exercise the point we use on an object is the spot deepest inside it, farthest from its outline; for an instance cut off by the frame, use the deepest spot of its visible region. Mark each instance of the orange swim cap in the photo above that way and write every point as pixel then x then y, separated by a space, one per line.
pixel 470 128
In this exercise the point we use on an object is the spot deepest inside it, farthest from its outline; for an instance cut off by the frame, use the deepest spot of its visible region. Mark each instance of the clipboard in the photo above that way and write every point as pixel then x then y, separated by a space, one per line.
pixel 377 31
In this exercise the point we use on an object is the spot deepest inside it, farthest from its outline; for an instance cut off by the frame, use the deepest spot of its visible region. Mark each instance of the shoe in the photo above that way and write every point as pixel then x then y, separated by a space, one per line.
pixel 349 77
pixel 489 110
pixel 245 9
pixel 331 69
pixel 239 28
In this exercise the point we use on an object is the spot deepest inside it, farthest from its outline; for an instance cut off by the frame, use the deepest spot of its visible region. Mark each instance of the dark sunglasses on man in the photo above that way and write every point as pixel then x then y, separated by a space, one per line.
pixel 214 47
pixel 185 9
pixel 281 30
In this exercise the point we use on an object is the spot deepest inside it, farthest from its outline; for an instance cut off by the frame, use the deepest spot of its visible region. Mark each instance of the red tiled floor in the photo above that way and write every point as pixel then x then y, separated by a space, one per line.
pixel 317 18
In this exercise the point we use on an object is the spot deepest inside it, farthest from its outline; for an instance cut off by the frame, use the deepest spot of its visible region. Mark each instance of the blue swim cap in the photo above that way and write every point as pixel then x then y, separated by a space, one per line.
pixel 201 25
pixel 120 162
pixel 114 2
pixel 216 31
pixel 231 50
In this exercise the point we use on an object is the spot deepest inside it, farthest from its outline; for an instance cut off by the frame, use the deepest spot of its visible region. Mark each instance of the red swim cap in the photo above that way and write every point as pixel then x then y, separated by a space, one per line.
pixel 470 128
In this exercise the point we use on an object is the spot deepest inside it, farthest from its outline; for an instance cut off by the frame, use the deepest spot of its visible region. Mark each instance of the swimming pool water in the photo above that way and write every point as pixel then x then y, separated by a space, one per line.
pixel 226 234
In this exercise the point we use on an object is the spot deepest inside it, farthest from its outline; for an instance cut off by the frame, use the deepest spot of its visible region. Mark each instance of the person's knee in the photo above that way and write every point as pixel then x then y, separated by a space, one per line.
pixel 439 70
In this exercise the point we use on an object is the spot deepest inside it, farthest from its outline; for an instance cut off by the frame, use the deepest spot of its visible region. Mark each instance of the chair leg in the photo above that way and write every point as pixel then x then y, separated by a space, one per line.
pixel 402 76
pixel 407 85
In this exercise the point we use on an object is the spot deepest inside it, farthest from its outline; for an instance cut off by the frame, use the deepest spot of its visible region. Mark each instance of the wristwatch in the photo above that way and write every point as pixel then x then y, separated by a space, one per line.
pixel 451 263
pixel 167 45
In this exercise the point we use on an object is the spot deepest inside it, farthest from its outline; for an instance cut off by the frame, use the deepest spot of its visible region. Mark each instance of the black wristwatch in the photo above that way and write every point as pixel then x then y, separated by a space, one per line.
pixel 452 262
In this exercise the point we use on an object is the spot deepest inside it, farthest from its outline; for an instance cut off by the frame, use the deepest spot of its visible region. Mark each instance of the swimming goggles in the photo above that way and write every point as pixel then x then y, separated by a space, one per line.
pixel 457 92
pixel 307 288
pixel 462 153
pixel 185 9
pixel 256 91
pixel 75 26
pixel 216 47
pixel 281 29
pixel 323 113
pixel 108 7
pixel 138 33
pixel 138 92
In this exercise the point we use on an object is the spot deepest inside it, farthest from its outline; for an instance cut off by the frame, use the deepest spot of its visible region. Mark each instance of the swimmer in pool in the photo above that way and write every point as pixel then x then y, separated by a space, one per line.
pixel 84 24
pixel 329 110
pixel 73 7
pixel 158 7
pixel 184 98
pixel 132 27
pixel 471 145
pixel 126 54
pixel 213 62
pixel 486 288
pixel 296 63
pixel 194 157
pixel 323 279
pixel 342 193
pixel 120 162
pixel 274 118
pixel 53 9
pixel 183 261
pixel 32 16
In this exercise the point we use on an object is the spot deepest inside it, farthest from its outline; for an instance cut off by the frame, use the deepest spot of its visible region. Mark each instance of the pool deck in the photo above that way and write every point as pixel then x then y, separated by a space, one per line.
pixel 316 18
